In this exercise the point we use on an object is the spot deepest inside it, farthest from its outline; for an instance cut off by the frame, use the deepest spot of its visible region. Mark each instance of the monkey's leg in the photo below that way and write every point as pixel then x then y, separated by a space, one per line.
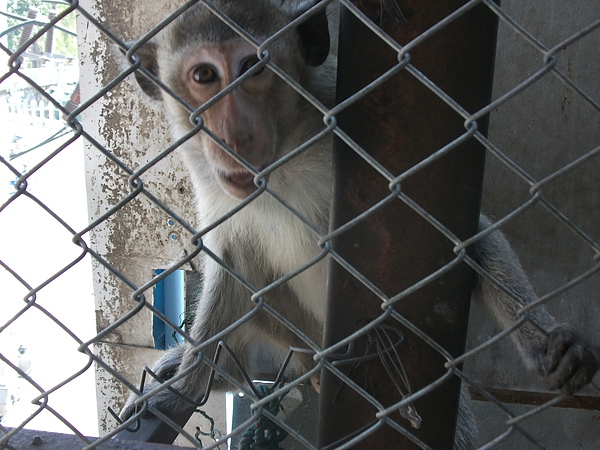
pixel 259 342
pixel 223 302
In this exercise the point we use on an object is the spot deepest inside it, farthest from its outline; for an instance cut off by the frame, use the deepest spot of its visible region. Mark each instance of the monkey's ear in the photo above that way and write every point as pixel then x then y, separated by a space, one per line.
pixel 314 35
pixel 147 53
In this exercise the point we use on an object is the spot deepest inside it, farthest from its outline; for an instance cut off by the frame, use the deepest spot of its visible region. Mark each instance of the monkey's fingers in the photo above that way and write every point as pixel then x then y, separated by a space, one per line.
pixel 129 409
pixel 570 361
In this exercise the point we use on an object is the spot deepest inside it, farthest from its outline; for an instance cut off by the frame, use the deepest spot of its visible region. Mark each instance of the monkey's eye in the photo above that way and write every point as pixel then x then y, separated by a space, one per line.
pixel 204 74
pixel 250 62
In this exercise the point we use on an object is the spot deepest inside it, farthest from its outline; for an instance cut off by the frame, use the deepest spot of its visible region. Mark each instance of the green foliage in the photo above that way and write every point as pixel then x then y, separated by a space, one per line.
pixel 64 44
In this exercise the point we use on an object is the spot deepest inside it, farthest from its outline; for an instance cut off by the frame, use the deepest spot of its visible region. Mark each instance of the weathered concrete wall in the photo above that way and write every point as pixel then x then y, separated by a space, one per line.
pixel 140 237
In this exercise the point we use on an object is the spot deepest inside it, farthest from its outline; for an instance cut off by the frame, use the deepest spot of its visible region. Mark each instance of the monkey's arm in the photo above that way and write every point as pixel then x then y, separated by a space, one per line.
pixel 565 359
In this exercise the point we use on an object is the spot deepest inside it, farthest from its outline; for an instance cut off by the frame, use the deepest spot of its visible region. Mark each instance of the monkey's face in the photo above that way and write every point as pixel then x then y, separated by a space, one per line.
pixel 249 120
pixel 258 118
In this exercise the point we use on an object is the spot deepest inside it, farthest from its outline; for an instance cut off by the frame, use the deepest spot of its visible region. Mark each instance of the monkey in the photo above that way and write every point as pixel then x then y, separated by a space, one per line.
pixel 245 158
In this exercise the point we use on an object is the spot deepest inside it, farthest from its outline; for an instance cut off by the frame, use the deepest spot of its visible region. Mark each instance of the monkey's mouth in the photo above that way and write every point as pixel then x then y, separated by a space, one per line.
pixel 239 183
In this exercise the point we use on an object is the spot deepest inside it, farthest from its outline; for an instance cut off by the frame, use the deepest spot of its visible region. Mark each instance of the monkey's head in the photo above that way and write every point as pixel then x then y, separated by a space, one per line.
pixel 199 55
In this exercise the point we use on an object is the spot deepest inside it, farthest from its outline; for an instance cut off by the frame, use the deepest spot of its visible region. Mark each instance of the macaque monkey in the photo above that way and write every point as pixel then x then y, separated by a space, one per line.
pixel 251 128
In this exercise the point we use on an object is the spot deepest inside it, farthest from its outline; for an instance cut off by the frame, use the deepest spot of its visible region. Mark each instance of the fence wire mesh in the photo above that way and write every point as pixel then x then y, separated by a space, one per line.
pixel 138 202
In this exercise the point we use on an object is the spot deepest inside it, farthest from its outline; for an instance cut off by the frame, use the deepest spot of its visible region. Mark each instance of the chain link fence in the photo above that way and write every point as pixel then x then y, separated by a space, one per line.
pixel 141 236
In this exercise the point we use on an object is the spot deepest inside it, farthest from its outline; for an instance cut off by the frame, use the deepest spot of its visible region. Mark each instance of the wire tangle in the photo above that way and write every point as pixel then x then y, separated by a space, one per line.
pixel 264 433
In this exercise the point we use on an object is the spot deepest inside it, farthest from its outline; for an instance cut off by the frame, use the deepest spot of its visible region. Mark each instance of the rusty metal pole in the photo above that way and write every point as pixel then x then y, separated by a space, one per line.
pixel 400 124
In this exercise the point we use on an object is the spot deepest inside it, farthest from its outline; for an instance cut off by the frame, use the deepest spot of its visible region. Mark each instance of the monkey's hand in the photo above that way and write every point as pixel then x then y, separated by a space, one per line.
pixel 569 362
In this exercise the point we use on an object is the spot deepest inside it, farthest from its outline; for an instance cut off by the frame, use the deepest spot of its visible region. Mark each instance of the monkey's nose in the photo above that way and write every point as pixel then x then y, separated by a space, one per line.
pixel 238 140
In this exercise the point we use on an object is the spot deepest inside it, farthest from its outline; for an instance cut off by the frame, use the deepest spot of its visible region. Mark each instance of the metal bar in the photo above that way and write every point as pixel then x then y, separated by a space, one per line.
pixel 400 124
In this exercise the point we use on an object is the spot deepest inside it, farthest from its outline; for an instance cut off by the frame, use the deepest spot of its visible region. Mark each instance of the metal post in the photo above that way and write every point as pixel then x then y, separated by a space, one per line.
pixel 49 47
pixel 26 33
pixel 27 29
pixel 400 124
